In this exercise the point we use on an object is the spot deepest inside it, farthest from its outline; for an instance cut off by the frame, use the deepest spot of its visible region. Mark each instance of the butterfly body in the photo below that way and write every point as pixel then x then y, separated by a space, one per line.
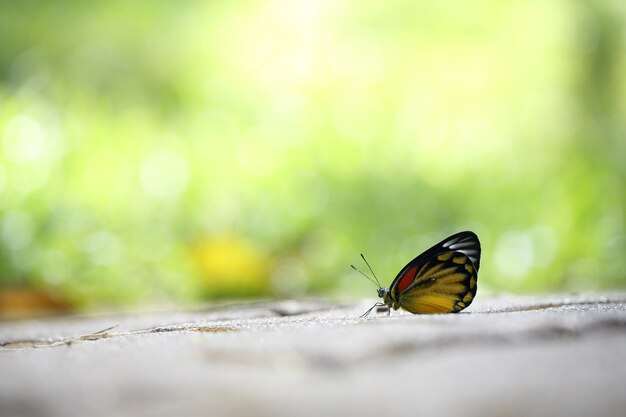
pixel 441 280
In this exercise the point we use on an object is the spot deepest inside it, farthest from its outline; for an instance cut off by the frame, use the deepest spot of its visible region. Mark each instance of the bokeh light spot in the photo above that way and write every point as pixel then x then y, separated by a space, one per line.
pixel 18 228
pixel 23 139
pixel 514 255
pixel 289 279
pixel 164 174
pixel 2 179
pixel 103 248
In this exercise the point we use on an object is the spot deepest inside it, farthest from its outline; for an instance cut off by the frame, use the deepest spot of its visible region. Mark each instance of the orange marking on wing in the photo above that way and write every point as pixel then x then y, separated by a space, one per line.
pixel 407 279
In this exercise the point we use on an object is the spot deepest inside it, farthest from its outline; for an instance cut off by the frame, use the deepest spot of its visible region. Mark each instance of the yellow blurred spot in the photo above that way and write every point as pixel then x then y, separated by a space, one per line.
pixel 231 265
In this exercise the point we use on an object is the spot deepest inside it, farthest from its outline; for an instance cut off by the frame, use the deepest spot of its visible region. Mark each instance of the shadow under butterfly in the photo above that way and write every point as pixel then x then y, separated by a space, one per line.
pixel 441 280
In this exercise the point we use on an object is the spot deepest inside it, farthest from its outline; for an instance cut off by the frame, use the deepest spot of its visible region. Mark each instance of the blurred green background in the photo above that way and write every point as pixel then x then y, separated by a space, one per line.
pixel 157 152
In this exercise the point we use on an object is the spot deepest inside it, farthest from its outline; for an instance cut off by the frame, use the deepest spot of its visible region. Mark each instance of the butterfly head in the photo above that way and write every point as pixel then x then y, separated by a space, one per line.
pixel 385 295
pixel 382 292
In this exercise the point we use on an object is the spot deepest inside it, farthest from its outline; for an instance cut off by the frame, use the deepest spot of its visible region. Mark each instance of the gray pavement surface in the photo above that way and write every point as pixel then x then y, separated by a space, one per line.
pixel 508 356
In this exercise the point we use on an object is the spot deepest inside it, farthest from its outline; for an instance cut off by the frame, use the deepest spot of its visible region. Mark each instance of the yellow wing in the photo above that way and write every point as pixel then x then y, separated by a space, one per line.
pixel 445 283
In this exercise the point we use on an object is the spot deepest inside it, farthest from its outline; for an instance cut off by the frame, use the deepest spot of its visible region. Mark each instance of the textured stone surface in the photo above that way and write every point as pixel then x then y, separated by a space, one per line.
pixel 509 356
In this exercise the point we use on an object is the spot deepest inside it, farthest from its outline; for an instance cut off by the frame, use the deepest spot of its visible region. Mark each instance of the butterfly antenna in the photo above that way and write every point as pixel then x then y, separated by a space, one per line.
pixel 371 270
pixel 368 278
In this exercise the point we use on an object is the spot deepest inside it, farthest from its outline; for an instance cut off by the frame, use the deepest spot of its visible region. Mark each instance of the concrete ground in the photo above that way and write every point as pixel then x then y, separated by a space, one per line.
pixel 508 356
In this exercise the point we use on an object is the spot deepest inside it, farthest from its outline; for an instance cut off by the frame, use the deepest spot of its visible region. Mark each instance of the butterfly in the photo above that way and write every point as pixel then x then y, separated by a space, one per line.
pixel 441 280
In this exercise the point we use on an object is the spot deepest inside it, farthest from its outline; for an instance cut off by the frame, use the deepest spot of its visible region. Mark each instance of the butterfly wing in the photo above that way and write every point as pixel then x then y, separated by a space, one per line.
pixel 442 279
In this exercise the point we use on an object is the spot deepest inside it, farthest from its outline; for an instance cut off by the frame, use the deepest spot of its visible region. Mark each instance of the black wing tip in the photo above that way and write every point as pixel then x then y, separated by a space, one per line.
pixel 466 232
pixel 474 236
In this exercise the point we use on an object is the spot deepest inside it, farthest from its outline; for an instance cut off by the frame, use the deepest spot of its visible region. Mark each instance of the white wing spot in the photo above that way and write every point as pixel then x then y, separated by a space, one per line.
pixel 462 245
pixel 450 242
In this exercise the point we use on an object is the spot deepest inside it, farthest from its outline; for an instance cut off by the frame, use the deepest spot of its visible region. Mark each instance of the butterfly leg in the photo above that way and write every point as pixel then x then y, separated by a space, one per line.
pixel 370 310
